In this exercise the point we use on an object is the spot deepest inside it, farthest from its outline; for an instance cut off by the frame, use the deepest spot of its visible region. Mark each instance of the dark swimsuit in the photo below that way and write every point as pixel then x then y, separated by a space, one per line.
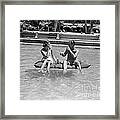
pixel 70 58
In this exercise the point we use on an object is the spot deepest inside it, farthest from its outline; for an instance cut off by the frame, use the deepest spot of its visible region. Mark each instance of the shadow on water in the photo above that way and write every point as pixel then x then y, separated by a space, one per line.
pixel 33 73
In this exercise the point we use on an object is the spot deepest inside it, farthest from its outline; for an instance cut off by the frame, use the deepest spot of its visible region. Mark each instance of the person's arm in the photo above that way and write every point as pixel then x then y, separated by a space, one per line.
pixel 53 56
pixel 74 55
pixel 43 53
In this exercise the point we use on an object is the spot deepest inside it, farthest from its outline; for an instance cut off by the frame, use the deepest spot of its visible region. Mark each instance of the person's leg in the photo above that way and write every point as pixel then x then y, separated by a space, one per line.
pixel 48 66
pixel 79 65
pixel 43 65
pixel 64 66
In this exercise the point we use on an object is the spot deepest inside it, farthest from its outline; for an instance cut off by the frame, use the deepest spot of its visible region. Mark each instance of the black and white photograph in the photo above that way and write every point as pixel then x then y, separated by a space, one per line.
pixel 60 59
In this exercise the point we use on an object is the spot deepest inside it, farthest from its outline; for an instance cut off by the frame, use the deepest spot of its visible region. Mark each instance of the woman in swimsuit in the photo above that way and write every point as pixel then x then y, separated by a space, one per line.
pixel 48 57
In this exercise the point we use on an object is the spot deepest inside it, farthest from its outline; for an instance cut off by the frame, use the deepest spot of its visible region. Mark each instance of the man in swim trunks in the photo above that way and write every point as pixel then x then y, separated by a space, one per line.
pixel 72 54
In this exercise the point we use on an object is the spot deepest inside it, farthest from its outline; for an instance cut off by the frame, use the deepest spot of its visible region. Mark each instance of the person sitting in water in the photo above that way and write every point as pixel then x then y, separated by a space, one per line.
pixel 72 54
pixel 44 51
pixel 48 57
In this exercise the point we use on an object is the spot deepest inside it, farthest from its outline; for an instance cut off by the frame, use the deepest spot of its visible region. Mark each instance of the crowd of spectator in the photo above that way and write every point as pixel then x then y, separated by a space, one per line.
pixel 77 26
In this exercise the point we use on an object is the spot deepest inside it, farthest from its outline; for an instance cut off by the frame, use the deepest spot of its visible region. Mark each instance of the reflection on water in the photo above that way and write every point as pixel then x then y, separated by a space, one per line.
pixel 56 85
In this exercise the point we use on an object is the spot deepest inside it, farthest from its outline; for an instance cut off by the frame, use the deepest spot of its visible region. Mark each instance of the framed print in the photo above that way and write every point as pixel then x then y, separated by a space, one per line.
pixel 60 59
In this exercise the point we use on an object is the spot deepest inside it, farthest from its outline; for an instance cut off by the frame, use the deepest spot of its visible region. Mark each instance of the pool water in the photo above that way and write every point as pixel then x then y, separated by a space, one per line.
pixel 56 85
